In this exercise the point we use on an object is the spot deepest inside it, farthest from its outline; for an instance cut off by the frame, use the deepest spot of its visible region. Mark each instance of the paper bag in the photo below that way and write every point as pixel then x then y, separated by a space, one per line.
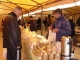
pixel 51 36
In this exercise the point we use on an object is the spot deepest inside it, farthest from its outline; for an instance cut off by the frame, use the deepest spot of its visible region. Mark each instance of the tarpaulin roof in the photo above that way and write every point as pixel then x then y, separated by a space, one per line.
pixel 35 5
pixel 7 5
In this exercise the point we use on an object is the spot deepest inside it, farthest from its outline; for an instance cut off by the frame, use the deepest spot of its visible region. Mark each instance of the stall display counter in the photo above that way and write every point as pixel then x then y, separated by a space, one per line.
pixel 36 47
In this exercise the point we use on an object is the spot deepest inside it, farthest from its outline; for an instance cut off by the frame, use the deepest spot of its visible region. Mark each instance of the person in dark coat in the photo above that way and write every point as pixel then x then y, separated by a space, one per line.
pixel 49 20
pixel 45 23
pixel 72 26
pixel 48 24
pixel 73 35
pixel 19 22
pixel 38 21
pixel 12 35
pixel 23 23
pixel 78 21
pixel 32 23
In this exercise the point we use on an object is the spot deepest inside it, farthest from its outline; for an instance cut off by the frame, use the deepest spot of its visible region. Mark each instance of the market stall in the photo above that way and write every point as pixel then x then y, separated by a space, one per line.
pixel 36 47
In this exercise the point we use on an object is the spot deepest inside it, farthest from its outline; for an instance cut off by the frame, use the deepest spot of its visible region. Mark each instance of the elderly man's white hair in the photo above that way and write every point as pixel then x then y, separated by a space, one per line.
pixel 17 8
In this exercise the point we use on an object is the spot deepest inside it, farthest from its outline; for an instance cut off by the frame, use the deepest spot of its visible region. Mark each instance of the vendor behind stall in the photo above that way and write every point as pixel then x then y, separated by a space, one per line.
pixel 61 26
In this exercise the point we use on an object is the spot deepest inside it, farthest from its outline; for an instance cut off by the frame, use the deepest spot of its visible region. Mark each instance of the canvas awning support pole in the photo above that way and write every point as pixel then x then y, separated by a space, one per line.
pixel 28 15
pixel 41 16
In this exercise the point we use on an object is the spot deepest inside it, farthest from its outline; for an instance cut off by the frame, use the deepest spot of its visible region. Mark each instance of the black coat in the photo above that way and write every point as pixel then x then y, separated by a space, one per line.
pixel 33 25
pixel 72 28
pixel 11 32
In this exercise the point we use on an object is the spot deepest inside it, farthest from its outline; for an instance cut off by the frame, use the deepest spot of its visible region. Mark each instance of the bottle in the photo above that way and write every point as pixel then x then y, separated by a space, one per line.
pixel 51 56
pixel 54 49
pixel 72 53
pixel 57 56
pixel 45 56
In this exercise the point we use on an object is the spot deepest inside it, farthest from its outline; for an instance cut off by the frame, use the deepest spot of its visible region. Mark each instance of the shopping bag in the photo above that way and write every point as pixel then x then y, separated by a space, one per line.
pixel 52 36
pixel 5 52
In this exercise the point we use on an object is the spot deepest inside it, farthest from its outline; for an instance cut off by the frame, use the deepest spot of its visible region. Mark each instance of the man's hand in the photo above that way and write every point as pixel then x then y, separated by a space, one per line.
pixel 18 47
pixel 50 27
pixel 55 30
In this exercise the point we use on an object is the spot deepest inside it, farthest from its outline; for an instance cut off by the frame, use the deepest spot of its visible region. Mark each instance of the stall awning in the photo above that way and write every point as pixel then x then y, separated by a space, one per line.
pixel 7 5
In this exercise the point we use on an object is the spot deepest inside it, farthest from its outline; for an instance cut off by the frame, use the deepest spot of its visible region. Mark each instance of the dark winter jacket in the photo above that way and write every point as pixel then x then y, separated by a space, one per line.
pixel 48 21
pixel 11 32
pixel 72 28
pixel 64 28
pixel 33 25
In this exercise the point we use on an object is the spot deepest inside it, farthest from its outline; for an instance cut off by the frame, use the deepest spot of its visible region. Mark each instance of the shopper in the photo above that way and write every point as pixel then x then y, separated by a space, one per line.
pixel 48 24
pixel 38 21
pixel 48 20
pixel 61 26
pixel 72 26
pixel 45 23
pixel 33 24
pixel 73 35
pixel 12 35
pixel 23 23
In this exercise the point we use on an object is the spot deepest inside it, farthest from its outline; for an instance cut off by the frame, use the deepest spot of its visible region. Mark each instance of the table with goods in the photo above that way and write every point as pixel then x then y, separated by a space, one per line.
pixel 77 31
pixel 37 47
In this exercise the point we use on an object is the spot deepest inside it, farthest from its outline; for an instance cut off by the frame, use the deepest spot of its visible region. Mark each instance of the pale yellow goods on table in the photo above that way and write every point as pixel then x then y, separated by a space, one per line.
pixel 77 30
pixel 36 46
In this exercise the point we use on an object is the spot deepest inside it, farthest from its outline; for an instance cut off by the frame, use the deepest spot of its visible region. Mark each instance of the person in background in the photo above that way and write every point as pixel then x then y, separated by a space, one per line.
pixel 52 20
pixel 49 20
pixel 19 22
pixel 48 24
pixel 45 23
pixel 23 23
pixel 32 23
pixel 12 35
pixel 38 21
pixel 72 26
pixel 73 35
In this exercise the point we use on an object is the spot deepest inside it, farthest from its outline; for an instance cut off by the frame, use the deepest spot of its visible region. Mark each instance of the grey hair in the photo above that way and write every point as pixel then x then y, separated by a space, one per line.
pixel 18 8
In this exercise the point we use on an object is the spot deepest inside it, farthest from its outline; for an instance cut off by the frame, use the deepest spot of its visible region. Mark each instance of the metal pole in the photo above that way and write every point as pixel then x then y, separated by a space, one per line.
pixel 42 21
pixel 28 15
pixel 41 16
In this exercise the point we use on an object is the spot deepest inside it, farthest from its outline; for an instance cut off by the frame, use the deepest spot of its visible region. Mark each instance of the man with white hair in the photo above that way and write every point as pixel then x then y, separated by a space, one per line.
pixel 12 35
